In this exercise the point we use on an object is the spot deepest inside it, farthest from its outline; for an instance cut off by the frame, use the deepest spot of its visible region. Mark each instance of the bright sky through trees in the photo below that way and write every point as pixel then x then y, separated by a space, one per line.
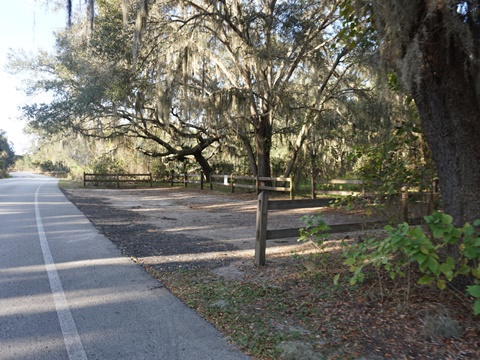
pixel 29 26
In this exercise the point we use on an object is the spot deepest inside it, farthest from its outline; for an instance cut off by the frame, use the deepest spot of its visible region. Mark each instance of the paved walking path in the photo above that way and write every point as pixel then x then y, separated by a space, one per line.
pixel 66 292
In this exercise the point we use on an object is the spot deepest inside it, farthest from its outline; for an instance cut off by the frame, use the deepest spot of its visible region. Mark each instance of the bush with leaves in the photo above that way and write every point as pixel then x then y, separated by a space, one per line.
pixel 7 155
pixel 105 164
pixel 402 160
pixel 442 254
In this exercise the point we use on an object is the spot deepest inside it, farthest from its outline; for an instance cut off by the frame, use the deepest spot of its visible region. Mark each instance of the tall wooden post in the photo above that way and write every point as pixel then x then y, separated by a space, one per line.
pixel 291 188
pixel 232 183
pixel 185 180
pixel 404 196
pixel 84 179
pixel 201 180
pixel 261 228
pixel 314 195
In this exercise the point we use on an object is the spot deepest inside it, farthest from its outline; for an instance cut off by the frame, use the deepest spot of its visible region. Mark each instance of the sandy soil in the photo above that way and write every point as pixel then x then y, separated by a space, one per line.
pixel 171 228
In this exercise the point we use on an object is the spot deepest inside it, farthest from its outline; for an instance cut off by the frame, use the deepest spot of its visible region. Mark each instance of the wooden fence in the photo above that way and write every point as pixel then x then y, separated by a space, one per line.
pixel 262 233
pixel 360 189
pixel 360 184
pixel 117 179
pixel 425 194
pixel 186 179
pixel 335 187
pixel 257 183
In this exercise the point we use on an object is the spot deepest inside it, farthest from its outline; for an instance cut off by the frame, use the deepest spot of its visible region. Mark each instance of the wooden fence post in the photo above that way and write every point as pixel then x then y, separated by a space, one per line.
pixel 211 181
pixel 151 180
pixel 257 185
pixel 185 179
pixel 436 186
pixel 172 175
pixel 232 183
pixel 313 188
pixel 118 181
pixel 84 179
pixel 261 228
pixel 404 196
pixel 292 195
pixel 201 180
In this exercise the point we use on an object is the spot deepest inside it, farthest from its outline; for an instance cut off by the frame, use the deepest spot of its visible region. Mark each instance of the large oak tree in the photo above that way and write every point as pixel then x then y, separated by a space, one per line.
pixel 435 47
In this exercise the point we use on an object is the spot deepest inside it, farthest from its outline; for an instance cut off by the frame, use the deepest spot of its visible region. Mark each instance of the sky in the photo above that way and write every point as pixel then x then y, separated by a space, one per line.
pixel 27 25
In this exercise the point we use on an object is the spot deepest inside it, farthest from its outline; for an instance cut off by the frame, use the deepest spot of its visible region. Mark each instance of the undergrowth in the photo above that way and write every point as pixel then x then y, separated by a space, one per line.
pixel 441 254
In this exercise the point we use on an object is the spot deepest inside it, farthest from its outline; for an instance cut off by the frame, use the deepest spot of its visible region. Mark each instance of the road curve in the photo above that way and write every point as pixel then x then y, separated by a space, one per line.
pixel 66 292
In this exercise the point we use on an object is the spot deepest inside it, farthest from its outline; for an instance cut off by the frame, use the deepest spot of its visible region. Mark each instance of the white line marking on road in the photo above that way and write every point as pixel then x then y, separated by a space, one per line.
pixel 69 330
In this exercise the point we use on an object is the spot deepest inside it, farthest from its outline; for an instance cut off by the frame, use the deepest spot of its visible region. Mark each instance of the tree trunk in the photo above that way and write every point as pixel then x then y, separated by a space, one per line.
pixel 302 136
pixel 206 168
pixel 263 142
pixel 450 112
pixel 250 153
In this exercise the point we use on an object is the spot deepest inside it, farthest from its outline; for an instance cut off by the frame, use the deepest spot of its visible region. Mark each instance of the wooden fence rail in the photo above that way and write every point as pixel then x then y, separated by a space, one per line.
pixel 360 187
pixel 117 178
pixel 335 187
pixel 262 234
pixel 257 183
pixel 186 179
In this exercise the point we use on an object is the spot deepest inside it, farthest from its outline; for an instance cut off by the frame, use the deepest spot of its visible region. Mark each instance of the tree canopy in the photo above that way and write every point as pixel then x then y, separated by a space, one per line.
pixel 271 83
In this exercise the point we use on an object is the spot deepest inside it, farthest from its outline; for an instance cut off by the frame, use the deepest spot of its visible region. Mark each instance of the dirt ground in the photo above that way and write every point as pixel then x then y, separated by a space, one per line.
pixel 185 228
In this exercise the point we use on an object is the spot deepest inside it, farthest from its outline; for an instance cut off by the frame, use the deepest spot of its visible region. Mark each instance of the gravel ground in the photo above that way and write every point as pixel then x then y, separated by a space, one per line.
pixel 178 228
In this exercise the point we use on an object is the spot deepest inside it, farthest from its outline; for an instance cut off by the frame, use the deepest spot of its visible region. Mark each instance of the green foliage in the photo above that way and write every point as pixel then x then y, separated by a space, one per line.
pixel 7 155
pixel 106 164
pixel 441 255
pixel 49 166
pixel 24 163
pixel 401 159
pixel 315 229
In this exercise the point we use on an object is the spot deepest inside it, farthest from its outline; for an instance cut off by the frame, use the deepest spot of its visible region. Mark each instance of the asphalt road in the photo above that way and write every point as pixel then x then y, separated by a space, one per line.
pixel 66 292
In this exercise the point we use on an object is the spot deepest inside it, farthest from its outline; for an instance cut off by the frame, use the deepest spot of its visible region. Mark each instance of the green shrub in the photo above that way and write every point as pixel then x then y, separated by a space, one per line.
pixel 105 164
pixel 441 254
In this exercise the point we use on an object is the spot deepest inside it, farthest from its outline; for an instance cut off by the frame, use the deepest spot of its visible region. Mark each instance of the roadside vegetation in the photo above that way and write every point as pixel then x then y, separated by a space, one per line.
pixel 7 156
pixel 293 310
pixel 384 294
pixel 397 293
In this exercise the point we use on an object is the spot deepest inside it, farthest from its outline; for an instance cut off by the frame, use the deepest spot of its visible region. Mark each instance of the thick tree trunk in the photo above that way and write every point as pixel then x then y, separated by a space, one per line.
pixel 450 112
pixel 250 153
pixel 263 142
pixel 206 168
pixel 302 136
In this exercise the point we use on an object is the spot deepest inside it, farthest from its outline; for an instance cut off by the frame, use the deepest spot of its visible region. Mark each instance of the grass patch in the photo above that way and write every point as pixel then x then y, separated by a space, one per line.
pixel 70 184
